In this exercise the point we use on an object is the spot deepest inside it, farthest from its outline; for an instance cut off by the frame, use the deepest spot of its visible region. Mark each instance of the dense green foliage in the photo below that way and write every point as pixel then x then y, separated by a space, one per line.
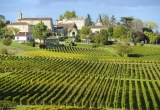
pixel 3 51
pixel 104 33
pixel 85 31
pixel 68 14
pixel 11 31
pixel 1 28
pixel 119 31
pixel 150 24
pixel 92 84
pixel 7 41
pixel 2 17
pixel 123 49
pixel 152 37
pixel 110 32
pixel 40 31
pixel 100 39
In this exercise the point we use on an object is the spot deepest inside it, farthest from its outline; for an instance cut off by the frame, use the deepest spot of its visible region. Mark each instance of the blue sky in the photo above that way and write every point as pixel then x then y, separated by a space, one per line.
pixel 146 10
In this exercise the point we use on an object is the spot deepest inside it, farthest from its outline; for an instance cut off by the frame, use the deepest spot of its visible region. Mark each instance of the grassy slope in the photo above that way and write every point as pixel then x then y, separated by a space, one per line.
pixel 147 49
pixel 4 74
pixel 16 48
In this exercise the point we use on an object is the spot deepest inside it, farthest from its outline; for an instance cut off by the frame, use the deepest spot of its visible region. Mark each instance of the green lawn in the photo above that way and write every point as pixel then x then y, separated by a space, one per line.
pixel 4 74
pixel 16 48
pixel 68 40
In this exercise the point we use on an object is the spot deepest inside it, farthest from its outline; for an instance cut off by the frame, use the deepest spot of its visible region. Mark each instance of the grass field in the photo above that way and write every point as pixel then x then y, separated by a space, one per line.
pixel 16 48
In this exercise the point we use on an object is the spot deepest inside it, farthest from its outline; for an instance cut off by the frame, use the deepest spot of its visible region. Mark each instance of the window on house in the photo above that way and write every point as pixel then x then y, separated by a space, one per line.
pixel 17 37
pixel 23 27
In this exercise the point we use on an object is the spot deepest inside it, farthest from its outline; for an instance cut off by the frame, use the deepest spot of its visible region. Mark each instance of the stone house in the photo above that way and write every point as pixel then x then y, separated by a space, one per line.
pixel 68 28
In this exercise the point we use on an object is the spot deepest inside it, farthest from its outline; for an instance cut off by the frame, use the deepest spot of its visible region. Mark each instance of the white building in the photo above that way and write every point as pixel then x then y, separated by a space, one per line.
pixel 23 37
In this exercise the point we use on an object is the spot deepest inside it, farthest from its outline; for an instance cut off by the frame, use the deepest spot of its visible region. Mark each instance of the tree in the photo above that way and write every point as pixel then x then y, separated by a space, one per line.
pixel 136 25
pixel 68 14
pixel 90 19
pixel 150 24
pixel 104 33
pixel 100 39
pixel 61 17
pixel 105 20
pixel 40 31
pixel 146 29
pixel 77 38
pixel 1 28
pixel 2 17
pixel 1 24
pixel 140 36
pixel 110 32
pixel 127 22
pixel 119 31
pixel 85 31
pixel 11 31
pixel 152 37
pixel 113 21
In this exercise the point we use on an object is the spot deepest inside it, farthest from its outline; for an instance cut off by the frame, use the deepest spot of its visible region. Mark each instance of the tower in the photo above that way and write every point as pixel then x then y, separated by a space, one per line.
pixel 99 21
pixel 20 15
pixel 89 20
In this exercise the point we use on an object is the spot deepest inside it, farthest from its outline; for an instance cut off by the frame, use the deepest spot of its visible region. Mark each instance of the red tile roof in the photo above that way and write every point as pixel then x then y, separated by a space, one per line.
pixel 23 33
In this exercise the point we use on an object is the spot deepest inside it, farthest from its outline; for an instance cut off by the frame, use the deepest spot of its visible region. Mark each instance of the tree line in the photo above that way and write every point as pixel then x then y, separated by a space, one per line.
pixel 128 29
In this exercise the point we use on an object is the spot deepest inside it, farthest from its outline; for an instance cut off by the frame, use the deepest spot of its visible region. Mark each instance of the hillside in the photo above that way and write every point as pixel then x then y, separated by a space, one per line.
pixel 80 77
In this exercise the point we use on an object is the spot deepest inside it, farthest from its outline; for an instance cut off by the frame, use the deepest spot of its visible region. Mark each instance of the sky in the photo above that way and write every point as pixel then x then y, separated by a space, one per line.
pixel 146 10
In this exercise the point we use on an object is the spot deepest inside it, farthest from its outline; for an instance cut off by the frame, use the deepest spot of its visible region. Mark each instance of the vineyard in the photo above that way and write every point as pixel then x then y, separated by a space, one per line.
pixel 77 50
pixel 83 83
pixel 72 52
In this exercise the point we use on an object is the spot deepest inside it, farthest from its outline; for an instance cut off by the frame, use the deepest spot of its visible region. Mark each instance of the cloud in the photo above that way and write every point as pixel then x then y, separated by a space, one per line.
pixel 119 3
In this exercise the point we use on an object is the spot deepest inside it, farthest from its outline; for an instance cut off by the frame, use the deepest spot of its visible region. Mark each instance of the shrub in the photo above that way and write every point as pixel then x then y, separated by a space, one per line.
pixel 7 41
pixel 100 39
pixel 4 51
pixel 123 49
